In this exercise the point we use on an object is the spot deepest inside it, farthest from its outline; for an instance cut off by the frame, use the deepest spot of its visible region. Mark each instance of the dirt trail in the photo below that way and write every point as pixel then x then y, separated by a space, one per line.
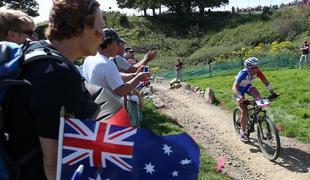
pixel 212 127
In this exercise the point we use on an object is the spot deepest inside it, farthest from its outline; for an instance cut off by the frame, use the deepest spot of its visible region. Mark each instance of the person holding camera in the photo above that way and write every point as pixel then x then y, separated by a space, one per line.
pixel 100 70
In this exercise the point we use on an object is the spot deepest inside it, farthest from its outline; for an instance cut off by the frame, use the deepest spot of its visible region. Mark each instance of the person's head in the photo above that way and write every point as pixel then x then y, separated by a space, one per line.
pixel 121 50
pixel 251 64
pixel 15 26
pixel 129 53
pixel 178 59
pixel 76 19
pixel 111 43
pixel 306 42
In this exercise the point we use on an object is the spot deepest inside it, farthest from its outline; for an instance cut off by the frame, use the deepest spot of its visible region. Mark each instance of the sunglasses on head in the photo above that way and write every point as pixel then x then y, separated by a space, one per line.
pixel 29 33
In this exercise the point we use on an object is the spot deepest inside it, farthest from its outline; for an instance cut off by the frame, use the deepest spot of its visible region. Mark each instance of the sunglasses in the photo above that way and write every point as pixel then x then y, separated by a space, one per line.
pixel 29 33
pixel 254 67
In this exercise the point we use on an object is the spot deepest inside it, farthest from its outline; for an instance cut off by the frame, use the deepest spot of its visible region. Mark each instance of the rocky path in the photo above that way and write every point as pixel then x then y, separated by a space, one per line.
pixel 212 127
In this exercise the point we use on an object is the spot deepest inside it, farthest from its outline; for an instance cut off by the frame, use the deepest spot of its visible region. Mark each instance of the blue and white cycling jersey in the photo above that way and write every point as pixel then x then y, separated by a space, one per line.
pixel 244 80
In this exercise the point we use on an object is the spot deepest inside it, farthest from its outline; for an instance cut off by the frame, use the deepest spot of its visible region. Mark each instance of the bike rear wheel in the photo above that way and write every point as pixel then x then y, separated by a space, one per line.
pixel 237 120
pixel 268 138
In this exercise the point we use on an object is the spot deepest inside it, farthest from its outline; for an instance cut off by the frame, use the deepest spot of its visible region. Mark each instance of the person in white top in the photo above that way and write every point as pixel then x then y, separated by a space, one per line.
pixel 124 66
pixel 101 71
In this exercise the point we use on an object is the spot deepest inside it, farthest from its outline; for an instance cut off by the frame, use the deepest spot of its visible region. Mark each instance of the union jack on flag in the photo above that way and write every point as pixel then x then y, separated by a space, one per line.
pixel 98 144
pixel 112 152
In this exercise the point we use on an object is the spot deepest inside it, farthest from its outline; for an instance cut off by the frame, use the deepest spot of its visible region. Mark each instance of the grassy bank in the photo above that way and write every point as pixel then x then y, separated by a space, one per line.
pixel 163 125
pixel 292 108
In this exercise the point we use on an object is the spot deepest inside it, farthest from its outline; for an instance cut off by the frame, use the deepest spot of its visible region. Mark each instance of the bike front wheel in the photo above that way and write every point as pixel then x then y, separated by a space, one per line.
pixel 268 138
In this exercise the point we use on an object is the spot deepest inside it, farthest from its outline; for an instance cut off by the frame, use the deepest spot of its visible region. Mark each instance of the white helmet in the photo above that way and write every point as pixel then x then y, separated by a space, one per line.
pixel 252 61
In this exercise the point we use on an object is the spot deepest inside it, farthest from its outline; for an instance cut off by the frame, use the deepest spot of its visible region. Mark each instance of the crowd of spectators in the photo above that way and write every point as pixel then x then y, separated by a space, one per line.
pixel 75 30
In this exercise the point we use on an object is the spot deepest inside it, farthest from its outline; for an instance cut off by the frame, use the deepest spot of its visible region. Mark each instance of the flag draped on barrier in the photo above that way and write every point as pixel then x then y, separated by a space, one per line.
pixel 112 152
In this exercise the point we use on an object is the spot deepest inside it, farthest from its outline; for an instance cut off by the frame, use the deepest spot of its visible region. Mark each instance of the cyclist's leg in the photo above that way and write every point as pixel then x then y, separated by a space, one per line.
pixel 243 116
pixel 243 109
pixel 253 91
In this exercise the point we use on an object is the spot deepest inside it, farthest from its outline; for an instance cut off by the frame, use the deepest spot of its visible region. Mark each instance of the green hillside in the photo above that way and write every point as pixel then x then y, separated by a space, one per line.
pixel 217 36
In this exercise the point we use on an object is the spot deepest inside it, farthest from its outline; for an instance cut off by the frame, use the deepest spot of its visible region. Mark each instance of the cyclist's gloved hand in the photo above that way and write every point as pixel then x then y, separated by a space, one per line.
pixel 273 96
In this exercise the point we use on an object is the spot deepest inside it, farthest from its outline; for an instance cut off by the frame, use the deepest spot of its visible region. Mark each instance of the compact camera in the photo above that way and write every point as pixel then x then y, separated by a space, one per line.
pixel 146 69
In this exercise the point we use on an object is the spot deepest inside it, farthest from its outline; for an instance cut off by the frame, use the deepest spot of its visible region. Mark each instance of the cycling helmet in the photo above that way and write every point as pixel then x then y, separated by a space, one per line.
pixel 252 61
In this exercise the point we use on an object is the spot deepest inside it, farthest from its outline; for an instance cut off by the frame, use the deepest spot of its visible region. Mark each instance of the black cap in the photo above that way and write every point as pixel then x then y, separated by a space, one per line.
pixel 129 49
pixel 110 33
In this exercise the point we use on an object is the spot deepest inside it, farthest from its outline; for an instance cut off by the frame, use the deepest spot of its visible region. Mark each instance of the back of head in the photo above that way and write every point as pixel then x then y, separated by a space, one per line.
pixel 14 20
pixel 68 18
pixel 251 61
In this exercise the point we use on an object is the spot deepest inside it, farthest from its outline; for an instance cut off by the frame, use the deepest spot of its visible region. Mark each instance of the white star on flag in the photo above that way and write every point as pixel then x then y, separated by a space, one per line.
pixel 185 161
pixel 97 178
pixel 175 173
pixel 149 168
pixel 167 149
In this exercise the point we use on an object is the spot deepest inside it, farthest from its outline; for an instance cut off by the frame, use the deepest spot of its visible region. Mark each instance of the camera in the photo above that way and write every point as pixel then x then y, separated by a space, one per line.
pixel 146 69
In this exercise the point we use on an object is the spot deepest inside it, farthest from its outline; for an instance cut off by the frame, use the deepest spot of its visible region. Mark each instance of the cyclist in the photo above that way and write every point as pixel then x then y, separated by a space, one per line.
pixel 243 85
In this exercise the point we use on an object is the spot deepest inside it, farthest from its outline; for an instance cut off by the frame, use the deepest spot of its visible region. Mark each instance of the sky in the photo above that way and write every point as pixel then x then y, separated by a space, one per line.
pixel 45 5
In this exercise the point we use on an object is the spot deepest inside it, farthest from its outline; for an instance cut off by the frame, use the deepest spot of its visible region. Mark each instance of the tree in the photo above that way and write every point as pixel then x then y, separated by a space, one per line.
pixel 179 7
pixel 202 4
pixel 30 7
pixel 125 3
pixel 141 5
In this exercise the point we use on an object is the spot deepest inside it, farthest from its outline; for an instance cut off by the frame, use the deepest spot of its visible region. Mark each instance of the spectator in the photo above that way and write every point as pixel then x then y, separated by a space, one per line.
pixel 179 67
pixel 122 63
pixel 74 30
pixel 15 26
pixel 129 55
pixel 101 71
pixel 305 51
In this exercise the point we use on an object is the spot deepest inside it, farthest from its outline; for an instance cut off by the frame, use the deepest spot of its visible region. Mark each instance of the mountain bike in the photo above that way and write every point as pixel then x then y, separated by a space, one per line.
pixel 267 133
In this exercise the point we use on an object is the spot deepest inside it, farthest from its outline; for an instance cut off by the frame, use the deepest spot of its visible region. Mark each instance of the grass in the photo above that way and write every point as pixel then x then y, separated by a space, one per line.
pixel 292 108
pixel 163 125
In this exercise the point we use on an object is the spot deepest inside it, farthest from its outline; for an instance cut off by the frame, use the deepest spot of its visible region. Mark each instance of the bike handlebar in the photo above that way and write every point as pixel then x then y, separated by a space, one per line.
pixel 270 98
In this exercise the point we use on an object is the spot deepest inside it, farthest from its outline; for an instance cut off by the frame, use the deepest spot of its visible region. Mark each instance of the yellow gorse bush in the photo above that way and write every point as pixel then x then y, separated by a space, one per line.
pixel 280 47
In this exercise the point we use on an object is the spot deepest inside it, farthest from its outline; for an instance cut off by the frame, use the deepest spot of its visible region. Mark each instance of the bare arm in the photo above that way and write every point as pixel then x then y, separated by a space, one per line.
pixel 125 88
pixel 49 151
pixel 127 76
pixel 265 81
pixel 147 58
pixel 132 69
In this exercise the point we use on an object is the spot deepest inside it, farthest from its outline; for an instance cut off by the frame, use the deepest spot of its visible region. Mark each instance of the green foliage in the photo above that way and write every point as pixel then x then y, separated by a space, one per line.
pixel 218 36
pixel 163 125
pixel 291 109
pixel 178 7
pixel 30 7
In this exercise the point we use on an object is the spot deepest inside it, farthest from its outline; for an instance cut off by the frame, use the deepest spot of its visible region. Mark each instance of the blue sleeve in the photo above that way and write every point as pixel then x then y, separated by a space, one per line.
pixel 241 76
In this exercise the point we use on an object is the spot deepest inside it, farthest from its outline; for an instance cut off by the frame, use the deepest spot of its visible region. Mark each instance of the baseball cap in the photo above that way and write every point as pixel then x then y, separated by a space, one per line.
pixel 110 33
pixel 129 49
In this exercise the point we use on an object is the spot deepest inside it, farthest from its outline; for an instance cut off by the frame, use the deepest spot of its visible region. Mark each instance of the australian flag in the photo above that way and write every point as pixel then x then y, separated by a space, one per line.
pixel 109 152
